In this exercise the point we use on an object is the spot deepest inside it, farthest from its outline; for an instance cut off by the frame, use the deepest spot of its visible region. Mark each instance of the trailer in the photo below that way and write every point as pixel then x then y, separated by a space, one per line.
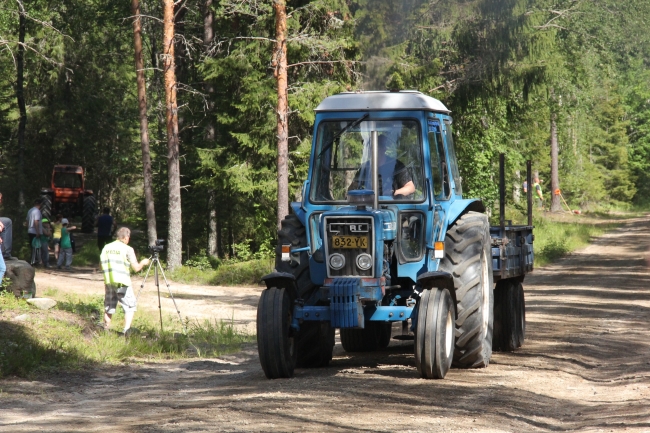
pixel 383 234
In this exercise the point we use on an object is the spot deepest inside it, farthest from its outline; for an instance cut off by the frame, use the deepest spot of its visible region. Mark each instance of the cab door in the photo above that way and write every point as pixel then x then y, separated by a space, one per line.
pixel 440 186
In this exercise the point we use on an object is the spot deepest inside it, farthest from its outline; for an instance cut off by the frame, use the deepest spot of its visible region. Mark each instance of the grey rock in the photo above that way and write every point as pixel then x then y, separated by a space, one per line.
pixel 21 275
pixel 42 303
pixel 21 318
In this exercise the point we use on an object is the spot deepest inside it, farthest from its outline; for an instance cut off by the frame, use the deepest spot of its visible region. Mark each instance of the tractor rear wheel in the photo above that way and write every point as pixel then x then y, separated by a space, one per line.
pixel 434 336
pixel 275 342
pixel 315 343
pixel 468 257
pixel 509 316
pixel 46 206
pixel 315 340
pixel 375 336
pixel 88 216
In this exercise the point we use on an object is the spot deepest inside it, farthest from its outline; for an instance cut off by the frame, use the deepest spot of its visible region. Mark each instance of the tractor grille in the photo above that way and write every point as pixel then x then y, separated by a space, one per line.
pixel 344 236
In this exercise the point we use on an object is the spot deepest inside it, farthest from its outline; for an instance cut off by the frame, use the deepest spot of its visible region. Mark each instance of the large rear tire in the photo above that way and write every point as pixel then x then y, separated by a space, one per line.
pixel 509 316
pixel 315 343
pixel 315 340
pixel 88 216
pixel 275 342
pixel 434 336
pixel 468 257
pixel 375 336
pixel 46 206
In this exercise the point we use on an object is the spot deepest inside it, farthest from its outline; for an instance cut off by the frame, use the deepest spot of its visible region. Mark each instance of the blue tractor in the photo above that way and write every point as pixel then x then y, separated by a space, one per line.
pixel 382 235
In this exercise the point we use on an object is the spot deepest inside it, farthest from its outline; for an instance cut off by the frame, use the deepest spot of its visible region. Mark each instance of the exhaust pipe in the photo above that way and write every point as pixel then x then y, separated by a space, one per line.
pixel 375 171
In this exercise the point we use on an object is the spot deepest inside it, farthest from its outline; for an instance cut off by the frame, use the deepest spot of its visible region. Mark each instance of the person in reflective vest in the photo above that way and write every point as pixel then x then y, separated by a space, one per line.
pixel 116 259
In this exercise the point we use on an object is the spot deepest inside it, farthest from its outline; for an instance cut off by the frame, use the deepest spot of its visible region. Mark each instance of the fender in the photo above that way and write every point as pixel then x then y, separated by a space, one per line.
pixel 282 280
pixel 300 212
pixel 459 207
pixel 439 279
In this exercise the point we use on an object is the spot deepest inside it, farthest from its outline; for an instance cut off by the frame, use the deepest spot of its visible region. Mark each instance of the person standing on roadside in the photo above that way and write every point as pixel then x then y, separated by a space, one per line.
pixel 45 242
pixel 116 259
pixel 538 190
pixel 34 227
pixel 6 236
pixel 65 253
pixel 105 227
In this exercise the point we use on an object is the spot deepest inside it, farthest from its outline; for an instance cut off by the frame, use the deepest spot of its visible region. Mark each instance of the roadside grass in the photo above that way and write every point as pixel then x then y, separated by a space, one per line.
pixel 67 337
pixel 87 255
pixel 227 274
pixel 558 234
pixel 554 239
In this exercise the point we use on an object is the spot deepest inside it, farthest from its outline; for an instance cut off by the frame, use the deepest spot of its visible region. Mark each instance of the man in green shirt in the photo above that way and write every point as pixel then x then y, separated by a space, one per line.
pixel 116 259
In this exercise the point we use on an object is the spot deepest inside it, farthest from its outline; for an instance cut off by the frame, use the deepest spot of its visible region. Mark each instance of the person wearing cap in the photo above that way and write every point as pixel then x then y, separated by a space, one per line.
pixel 65 250
pixel 46 232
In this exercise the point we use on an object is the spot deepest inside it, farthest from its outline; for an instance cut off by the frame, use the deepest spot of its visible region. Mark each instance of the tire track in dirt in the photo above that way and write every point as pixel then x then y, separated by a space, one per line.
pixel 585 366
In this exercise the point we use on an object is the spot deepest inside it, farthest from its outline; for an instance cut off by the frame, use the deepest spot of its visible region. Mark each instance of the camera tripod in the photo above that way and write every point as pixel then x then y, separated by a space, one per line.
pixel 157 267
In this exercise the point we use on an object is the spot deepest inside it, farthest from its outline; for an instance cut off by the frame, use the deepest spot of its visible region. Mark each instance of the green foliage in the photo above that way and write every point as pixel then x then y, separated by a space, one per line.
pixel 228 274
pixel 502 67
pixel 87 255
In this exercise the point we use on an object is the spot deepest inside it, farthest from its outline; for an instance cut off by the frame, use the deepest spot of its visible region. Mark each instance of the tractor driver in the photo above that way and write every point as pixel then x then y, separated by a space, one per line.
pixel 394 178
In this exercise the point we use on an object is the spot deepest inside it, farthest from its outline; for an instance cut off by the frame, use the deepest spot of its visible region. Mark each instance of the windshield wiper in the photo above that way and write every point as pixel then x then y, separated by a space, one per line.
pixel 327 146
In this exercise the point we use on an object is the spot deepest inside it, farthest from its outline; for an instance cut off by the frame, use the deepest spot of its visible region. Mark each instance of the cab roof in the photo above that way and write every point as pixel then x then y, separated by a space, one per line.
pixel 65 168
pixel 382 100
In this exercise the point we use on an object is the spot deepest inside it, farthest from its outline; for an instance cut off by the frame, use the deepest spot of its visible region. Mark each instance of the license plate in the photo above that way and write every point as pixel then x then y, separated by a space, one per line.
pixel 349 242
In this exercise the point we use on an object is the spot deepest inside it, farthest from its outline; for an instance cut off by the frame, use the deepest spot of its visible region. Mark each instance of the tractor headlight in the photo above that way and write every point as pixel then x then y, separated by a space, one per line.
pixel 364 261
pixel 337 261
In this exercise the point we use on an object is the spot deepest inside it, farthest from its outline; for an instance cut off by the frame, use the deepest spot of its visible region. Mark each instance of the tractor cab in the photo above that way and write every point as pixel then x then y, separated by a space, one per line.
pixel 395 168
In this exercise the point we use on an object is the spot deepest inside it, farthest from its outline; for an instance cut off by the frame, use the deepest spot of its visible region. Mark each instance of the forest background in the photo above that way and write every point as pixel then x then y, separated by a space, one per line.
pixel 507 69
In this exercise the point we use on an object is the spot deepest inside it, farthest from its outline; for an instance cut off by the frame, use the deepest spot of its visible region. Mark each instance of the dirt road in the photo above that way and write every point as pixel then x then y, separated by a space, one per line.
pixel 585 366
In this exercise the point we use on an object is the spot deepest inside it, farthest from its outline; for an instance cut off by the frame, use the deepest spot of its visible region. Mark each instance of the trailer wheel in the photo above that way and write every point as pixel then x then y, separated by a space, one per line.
pixel 46 206
pixel 468 257
pixel 434 336
pixel 314 342
pixel 509 316
pixel 521 315
pixel 375 336
pixel 88 215
pixel 275 342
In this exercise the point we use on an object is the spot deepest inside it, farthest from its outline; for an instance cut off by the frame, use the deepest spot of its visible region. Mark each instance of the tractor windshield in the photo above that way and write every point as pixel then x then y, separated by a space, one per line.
pixel 343 160
pixel 67 180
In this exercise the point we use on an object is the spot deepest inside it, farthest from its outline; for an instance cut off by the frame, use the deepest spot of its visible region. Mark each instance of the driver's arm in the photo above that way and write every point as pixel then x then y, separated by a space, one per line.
pixel 407 189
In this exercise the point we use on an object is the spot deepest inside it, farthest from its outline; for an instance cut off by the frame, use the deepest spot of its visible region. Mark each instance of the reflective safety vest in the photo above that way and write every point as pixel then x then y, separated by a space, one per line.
pixel 115 264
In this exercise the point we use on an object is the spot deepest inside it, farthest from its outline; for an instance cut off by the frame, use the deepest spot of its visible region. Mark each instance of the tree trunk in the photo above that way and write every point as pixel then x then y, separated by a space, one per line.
pixel 280 65
pixel 152 234
pixel 20 96
pixel 210 130
pixel 556 205
pixel 175 233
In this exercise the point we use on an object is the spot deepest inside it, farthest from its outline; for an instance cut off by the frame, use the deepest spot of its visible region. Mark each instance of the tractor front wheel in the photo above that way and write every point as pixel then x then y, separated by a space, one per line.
pixel 315 341
pixel 275 342
pixel 434 336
